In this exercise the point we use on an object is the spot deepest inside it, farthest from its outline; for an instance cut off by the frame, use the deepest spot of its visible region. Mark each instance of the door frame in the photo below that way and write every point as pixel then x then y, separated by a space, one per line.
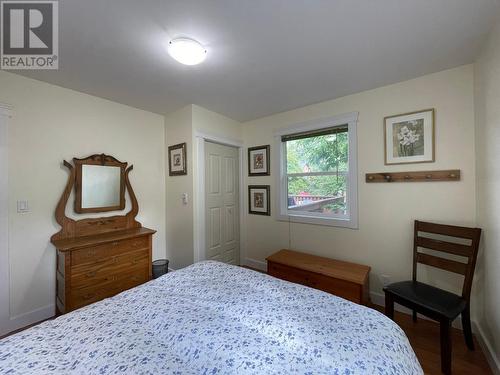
pixel 5 319
pixel 199 193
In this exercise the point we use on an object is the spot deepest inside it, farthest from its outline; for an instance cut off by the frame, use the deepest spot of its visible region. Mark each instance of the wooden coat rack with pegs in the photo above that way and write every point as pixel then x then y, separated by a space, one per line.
pixel 421 176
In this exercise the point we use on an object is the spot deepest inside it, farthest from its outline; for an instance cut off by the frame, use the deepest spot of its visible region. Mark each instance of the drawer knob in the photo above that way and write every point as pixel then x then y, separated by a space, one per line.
pixel 115 243
pixel 91 274
pixel 88 296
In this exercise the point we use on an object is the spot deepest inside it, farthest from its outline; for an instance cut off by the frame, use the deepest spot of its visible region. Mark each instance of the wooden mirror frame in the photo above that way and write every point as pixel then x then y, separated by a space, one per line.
pixel 71 228
pixel 105 161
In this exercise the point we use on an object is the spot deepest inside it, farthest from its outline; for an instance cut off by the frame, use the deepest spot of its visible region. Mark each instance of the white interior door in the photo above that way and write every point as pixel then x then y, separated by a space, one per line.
pixel 222 203
pixel 4 232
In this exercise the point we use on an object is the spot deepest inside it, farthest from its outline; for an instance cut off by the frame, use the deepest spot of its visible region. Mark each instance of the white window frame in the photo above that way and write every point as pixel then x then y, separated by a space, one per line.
pixel 281 205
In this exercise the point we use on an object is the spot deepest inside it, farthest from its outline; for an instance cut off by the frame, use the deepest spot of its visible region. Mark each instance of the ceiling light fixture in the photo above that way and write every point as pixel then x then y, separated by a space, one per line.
pixel 187 51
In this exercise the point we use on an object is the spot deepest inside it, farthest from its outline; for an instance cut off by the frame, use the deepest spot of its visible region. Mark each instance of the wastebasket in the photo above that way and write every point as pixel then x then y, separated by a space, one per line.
pixel 160 267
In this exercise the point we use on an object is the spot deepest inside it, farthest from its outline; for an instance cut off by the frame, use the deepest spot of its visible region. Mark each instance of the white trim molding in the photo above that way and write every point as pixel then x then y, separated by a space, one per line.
pixel 199 191
pixel 6 324
pixel 281 207
pixel 255 264
pixel 31 317
pixel 490 354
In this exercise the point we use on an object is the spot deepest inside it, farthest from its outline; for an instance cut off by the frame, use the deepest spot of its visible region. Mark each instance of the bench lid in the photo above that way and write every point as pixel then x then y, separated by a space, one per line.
pixel 338 269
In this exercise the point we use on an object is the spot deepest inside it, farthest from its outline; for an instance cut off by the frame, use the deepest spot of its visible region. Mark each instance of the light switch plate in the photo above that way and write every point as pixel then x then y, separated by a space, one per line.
pixel 22 207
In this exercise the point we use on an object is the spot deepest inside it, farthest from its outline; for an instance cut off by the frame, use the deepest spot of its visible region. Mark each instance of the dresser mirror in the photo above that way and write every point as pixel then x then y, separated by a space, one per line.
pixel 99 184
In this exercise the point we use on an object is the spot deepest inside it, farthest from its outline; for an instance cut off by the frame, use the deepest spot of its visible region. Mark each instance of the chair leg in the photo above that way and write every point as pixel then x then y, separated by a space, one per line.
pixel 467 328
pixel 414 315
pixel 389 306
pixel 445 328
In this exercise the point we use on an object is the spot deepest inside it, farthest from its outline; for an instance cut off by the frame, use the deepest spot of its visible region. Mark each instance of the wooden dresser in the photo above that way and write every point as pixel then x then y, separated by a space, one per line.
pixel 344 279
pixel 99 257
pixel 92 268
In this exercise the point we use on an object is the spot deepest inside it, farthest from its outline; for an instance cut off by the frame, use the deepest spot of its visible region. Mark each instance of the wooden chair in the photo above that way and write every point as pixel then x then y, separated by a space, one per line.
pixel 430 301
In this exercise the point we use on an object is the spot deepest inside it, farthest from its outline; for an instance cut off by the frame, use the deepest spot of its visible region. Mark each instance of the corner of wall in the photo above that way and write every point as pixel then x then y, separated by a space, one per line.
pixel 486 96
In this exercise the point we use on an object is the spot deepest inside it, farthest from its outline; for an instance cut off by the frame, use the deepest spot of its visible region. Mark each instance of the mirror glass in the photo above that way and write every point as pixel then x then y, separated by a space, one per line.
pixel 100 186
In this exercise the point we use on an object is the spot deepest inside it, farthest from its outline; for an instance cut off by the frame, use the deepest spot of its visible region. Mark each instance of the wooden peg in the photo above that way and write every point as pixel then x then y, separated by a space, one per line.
pixel 418 176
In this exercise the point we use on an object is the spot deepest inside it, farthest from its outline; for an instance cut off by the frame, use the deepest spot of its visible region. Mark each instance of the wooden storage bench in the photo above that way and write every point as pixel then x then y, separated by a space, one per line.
pixel 344 279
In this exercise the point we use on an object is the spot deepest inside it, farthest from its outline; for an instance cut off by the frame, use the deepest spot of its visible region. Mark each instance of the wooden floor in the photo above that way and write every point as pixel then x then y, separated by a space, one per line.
pixel 424 338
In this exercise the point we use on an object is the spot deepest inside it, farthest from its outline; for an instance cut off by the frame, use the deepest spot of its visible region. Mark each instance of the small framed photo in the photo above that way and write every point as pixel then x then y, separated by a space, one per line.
pixel 259 200
pixel 177 163
pixel 409 138
pixel 258 161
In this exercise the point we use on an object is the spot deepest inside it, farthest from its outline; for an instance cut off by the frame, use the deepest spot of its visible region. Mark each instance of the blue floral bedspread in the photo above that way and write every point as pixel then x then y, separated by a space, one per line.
pixel 212 318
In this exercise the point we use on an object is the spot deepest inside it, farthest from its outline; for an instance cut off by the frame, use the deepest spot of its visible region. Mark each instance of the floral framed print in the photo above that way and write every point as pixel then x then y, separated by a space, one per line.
pixel 409 138
pixel 177 163
pixel 258 161
pixel 259 200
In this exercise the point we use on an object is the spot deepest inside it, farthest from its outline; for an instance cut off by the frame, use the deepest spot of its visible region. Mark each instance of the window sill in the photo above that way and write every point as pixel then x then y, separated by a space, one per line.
pixel 315 220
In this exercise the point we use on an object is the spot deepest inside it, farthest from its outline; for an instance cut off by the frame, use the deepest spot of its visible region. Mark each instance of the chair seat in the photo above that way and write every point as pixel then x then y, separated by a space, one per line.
pixel 437 300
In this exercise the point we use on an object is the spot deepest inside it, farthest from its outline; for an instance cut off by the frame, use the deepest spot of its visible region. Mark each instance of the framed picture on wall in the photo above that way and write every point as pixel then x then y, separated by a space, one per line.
pixel 409 138
pixel 177 163
pixel 259 202
pixel 258 161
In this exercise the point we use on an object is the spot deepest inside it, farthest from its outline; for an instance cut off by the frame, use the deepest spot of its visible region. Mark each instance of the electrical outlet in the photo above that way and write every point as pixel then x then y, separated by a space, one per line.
pixel 385 280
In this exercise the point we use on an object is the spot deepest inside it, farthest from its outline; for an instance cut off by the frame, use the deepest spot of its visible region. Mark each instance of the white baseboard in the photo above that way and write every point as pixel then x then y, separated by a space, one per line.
pixel 489 352
pixel 257 264
pixel 31 317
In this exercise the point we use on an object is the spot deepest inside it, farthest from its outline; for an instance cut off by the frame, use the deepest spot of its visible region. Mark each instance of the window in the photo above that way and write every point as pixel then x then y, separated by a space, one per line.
pixel 318 177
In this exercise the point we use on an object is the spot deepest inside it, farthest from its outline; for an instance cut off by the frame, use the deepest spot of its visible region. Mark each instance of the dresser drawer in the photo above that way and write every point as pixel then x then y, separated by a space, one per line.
pixel 117 284
pixel 95 254
pixel 341 288
pixel 89 274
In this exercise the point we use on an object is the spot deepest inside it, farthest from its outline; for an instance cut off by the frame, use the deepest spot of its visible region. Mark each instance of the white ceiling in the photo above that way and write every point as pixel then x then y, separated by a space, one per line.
pixel 264 56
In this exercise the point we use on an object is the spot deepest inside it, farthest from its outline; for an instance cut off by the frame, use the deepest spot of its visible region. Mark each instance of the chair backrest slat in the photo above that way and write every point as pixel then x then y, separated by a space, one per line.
pixel 468 251
pixel 447 230
pixel 445 264
pixel 447 247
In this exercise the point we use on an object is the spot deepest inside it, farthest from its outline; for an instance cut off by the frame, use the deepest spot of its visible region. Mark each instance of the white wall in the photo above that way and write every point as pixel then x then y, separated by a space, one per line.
pixel 183 126
pixel 50 124
pixel 212 123
pixel 178 126
pixel 386 211
pixel 487 89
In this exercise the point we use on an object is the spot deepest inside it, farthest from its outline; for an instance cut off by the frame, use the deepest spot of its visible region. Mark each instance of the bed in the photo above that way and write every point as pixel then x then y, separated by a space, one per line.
pixel 213 318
